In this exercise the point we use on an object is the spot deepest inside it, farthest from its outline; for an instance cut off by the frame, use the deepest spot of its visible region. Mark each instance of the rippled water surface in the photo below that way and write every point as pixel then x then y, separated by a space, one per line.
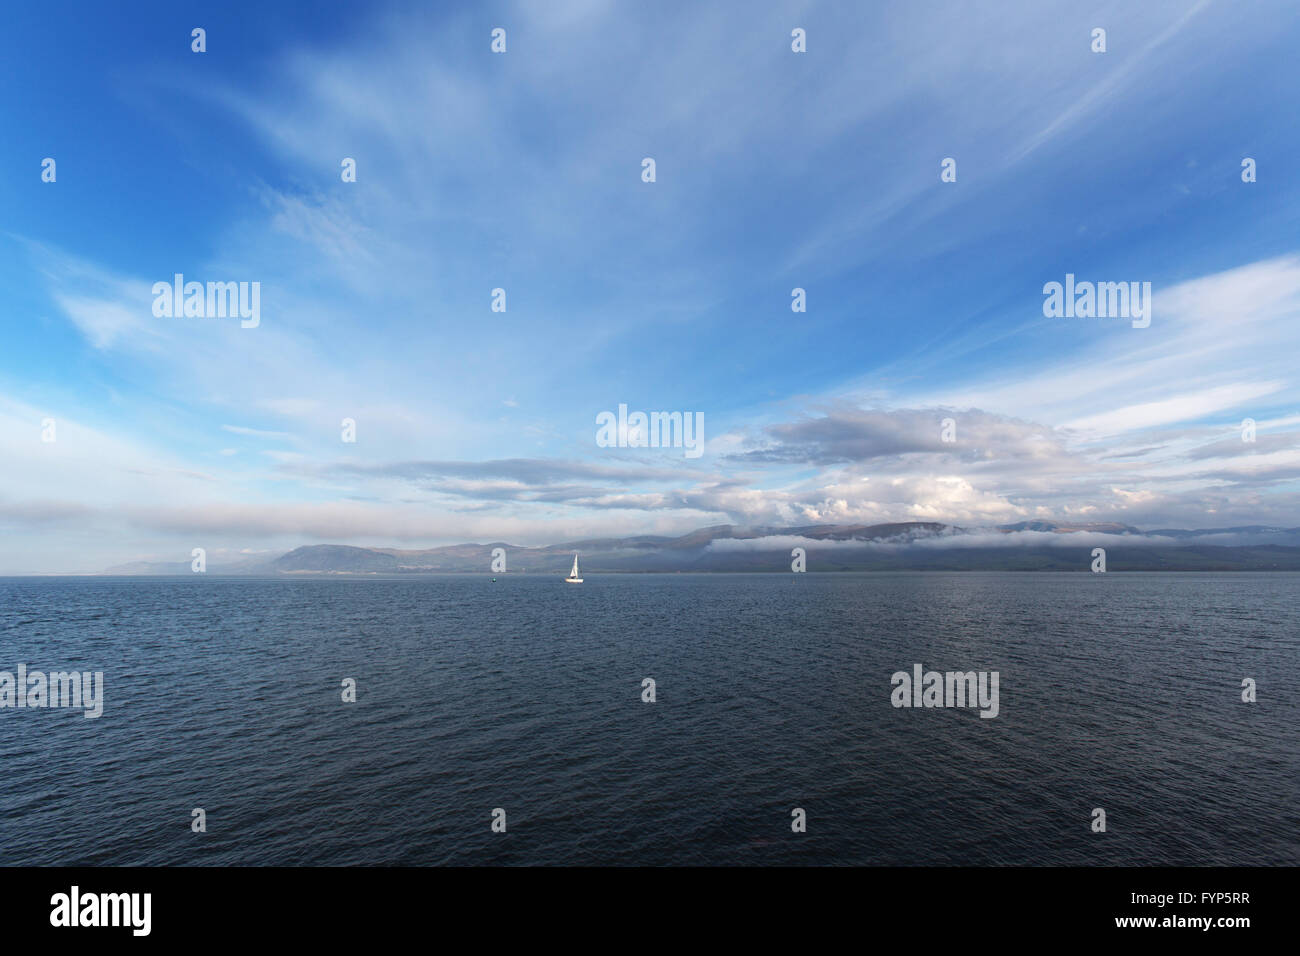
pixel 1120 691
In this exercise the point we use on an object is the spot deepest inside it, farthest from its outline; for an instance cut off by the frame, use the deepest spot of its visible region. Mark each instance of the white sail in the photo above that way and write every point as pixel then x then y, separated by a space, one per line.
pixel 574 572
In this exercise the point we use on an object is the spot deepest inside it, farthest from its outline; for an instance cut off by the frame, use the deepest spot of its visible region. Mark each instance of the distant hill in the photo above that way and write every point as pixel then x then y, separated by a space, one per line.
pixel 335 557
pixel 911 545
pixel 1101 527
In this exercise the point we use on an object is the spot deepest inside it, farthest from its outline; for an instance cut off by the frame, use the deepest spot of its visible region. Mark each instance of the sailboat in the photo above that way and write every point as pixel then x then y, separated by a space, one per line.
pixel 573 575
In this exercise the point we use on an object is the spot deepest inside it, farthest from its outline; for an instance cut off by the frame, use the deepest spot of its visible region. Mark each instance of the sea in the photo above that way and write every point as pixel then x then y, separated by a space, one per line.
pixel 508 720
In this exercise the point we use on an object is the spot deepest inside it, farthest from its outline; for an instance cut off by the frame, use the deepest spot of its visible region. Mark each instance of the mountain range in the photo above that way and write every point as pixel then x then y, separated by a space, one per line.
pixel 1024 546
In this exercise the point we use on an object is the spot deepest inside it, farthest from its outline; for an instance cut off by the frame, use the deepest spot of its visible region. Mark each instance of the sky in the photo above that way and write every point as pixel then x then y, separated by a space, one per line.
pixel 522 170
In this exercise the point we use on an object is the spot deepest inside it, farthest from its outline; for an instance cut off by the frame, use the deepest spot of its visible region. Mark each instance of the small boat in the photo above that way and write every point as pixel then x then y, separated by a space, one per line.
pixel 573 575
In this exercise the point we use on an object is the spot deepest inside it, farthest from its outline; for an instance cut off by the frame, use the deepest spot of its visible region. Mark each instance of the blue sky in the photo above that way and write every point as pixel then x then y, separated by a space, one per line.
pixel 522 171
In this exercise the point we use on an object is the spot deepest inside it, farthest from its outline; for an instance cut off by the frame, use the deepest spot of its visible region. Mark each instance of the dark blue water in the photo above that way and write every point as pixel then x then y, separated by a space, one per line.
pixel 1119 691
